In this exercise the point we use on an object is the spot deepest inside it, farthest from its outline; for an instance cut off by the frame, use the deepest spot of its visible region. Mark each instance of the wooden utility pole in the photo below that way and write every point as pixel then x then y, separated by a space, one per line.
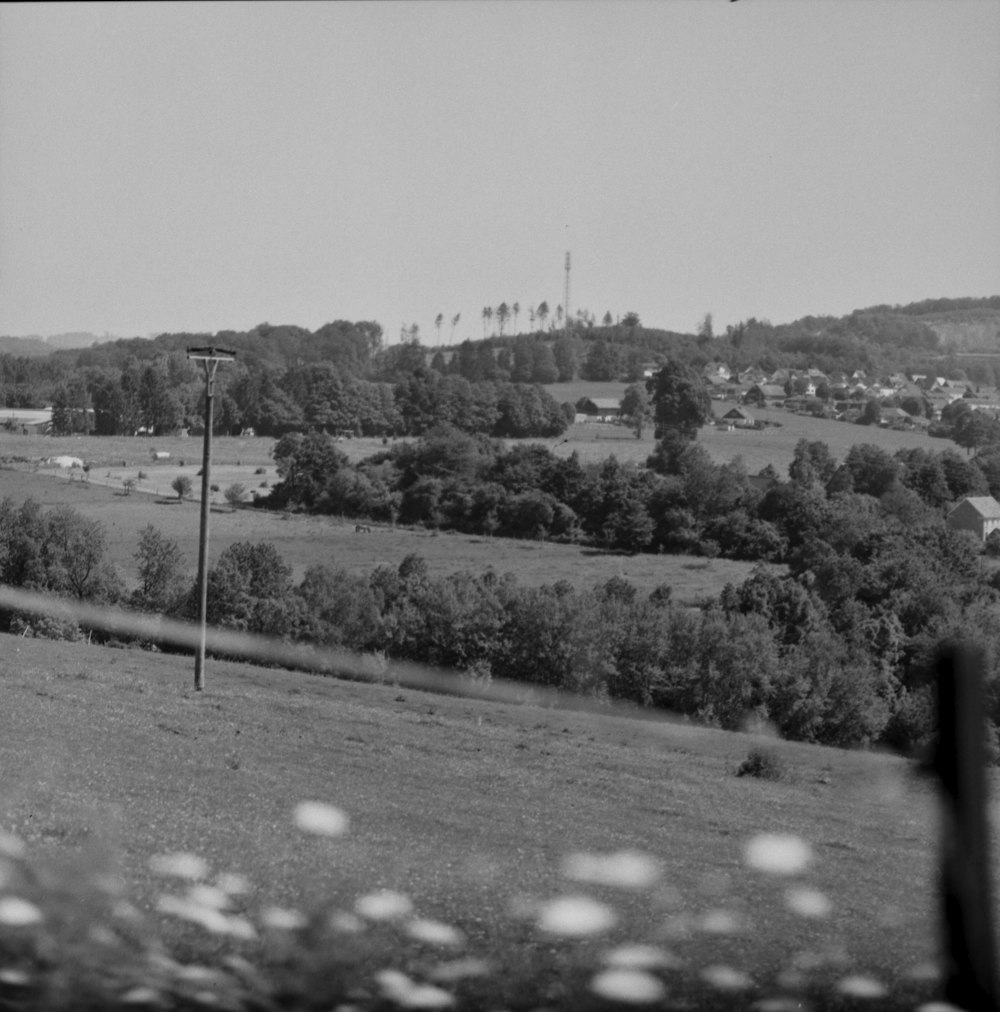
pixel 210 359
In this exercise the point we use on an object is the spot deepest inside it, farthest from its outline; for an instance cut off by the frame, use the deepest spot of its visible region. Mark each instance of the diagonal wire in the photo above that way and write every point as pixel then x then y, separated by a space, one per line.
pixel 336 661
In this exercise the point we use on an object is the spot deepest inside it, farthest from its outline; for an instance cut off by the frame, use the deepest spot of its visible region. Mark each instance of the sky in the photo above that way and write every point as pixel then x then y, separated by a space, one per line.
pixel 210 166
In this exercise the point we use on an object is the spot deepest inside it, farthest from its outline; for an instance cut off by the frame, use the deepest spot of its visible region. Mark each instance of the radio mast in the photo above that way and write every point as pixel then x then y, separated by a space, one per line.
pixel 566 295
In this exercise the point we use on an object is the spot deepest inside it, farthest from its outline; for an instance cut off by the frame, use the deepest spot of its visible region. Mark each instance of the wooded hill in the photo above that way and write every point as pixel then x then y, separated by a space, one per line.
pixel 302 378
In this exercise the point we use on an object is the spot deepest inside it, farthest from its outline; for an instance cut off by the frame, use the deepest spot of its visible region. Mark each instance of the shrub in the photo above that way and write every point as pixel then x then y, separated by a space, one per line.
pixel 182 486
pixel 260 470
pixel 235 493
pixel 763 764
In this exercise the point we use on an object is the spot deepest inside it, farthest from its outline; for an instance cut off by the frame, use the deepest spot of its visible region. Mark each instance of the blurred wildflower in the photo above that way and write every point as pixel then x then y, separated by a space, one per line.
pixel 349 924
pixel 282 919
pixel 778 854
pixel 185 909
pixel 11 845
pixel 397 987
pixel 807 902
pixel 719 922
pixel 241 928
pixel 937 1006
pixel 14 977
pixel 180 865
pixel 235 885
pixel 140 996
pixel 726 978
pixel 18 913
pixel 627 869
pixel 209 896
pixel 635 987
pixel 384 905
pixel 576 916
pixel 860 986
pixel 320 818
pixel 780 1004
pixel 434 933
pixel 641 957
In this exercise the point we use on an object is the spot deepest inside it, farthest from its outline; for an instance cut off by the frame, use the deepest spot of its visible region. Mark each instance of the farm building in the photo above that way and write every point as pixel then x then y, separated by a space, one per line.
pixel 979 514
pixel 738 418
pixel 766 393
pixel 599 409
pixel 37 422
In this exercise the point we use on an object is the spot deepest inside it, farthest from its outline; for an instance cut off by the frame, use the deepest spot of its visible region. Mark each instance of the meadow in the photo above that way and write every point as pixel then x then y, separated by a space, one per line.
pixel 493 820
pixel 303 540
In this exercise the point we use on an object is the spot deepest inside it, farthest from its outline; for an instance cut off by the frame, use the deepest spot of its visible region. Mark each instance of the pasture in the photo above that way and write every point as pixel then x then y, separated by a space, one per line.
pixel 470 809
pixel 303 540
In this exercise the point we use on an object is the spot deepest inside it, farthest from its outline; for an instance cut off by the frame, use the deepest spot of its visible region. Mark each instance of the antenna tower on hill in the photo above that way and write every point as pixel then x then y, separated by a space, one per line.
pixel 566 294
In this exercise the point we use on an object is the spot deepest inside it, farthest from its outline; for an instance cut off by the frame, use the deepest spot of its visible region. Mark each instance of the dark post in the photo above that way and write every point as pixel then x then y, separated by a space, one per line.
pixel 966 895
pixel 210 359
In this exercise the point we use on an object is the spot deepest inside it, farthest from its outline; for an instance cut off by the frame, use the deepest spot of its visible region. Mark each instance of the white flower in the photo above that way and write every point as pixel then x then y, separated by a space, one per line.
pixel 241 928
pixel 18 913
pixel 235 885
pixel 398 988
pixel 384 905
pixel 627 869
pixel 349 924
pixel 720 922
pixel 140 996
pixel 15 977
pixel 807 902
pixel 635 987
pixel 180 865
pixel 434 933
pixel 208 896
pixel 282 919
pixel 460 969
pixel 640 957
pixel 177 906
pixel 11 845
pixel 320 818
pixel 860 986
pixel 725 978
pixel 778 854
pixel 576 916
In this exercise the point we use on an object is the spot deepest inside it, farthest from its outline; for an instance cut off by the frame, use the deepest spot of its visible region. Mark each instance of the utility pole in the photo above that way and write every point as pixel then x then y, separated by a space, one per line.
pixel 210 359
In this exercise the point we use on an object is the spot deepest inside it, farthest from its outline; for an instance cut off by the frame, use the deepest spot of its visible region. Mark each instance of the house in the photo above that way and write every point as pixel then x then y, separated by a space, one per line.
pixel 738 418
pixel 979 514
pixel 599 409
pixel 765 393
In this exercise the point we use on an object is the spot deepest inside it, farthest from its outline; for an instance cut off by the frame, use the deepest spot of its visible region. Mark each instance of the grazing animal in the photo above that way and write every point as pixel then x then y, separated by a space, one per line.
pixel 362 529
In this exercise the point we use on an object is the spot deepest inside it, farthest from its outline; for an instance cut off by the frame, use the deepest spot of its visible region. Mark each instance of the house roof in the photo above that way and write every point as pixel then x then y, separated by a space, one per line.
pixel 985 505
pixel 737 413
pixel 605 403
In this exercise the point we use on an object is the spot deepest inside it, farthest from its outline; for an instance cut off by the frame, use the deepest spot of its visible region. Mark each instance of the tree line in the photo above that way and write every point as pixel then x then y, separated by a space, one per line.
pixel 835 651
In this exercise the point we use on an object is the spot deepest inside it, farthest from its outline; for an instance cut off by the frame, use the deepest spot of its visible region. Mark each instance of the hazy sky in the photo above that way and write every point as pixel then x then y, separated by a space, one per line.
pixel 208 166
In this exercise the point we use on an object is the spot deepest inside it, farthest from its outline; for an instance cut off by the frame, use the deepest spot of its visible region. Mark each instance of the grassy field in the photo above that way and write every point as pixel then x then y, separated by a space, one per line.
pixel 303 541
pixel 470 809
pixel 595 441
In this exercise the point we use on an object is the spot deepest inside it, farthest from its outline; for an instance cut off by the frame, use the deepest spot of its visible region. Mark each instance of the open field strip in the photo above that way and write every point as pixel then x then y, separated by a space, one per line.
pixel 470 808
pixel 303 541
